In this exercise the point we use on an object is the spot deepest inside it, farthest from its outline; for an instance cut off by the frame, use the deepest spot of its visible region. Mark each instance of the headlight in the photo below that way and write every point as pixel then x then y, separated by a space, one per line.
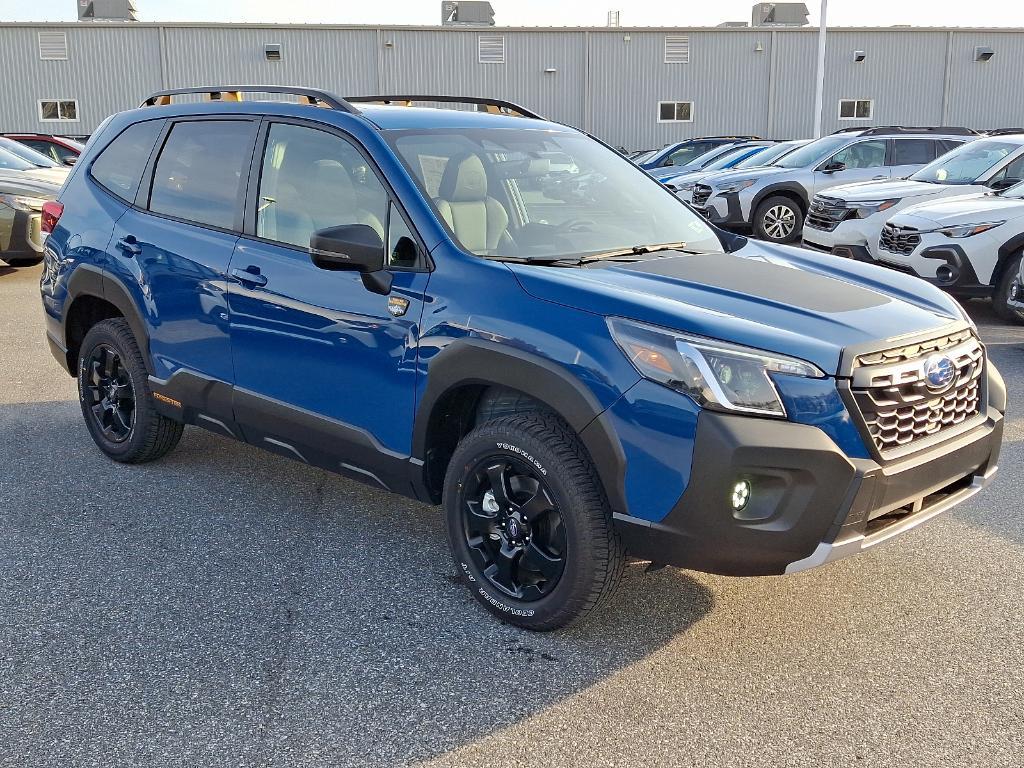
pixel 968 230
pixel 22 202
pixel 716 374
pixel 736 186
pixel 870 207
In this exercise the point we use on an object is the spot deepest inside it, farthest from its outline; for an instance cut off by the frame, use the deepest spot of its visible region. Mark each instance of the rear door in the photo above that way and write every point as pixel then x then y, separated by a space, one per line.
pixel 176 242
pixel 909 155
pixel 861 161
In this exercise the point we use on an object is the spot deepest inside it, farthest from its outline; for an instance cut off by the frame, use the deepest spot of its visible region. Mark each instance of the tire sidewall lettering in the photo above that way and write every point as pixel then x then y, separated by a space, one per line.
pixel 524 454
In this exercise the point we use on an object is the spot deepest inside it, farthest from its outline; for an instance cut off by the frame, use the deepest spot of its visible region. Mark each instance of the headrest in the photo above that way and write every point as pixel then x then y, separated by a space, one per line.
pixel 332 185
pixel 464 180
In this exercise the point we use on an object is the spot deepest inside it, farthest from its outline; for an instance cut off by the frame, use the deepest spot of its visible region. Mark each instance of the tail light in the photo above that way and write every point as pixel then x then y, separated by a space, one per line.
pixel 51 215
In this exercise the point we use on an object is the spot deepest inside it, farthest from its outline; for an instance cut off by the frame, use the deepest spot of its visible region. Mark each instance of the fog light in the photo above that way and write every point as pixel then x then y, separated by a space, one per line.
pixel 740 495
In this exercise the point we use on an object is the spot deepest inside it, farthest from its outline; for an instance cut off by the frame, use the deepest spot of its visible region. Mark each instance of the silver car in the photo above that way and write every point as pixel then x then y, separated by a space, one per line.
pixel 773 201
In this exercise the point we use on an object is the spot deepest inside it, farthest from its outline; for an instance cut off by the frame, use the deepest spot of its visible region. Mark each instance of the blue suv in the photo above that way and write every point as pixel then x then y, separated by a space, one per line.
pixel 500 314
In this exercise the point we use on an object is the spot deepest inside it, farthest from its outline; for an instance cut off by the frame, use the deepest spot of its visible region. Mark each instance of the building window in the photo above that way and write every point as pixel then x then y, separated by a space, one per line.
pixel 491 49
pixel 675 111
pixel 856 109
pixel 677 49
pixel 53 46
pixel 54 110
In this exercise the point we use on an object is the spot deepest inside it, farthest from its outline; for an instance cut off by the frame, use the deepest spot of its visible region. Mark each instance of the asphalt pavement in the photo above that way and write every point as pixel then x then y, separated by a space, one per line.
pixel 227 607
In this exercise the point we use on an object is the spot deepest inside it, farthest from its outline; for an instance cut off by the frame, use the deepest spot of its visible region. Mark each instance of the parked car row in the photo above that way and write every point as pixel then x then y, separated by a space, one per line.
pixel 28 179
pixel 940 203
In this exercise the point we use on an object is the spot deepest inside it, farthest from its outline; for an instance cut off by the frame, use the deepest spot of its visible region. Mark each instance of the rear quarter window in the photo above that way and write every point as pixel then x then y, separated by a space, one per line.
pixel 119 167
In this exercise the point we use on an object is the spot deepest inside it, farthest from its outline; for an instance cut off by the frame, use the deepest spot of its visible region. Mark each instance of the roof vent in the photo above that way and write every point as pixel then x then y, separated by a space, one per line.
pixel 272 51
pixel 53 46
pixel 677 49
pixel 859 56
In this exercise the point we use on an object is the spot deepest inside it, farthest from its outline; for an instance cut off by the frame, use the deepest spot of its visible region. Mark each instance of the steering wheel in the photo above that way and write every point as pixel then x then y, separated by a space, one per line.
pixel 578 225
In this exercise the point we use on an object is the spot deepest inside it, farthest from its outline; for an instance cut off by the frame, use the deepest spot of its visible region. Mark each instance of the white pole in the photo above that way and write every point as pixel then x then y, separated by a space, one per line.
pixel 819 90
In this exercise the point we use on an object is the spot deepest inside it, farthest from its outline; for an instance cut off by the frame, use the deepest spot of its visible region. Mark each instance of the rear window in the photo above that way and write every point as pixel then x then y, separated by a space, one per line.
pixel 199 173
pixel 119 167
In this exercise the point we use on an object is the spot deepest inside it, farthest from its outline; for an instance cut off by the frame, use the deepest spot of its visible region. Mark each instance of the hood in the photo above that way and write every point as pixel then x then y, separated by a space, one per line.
pixel 29 183
pixel 898 189
pixel 965 209
pixel 765 172
pixel 682 177
pixel 777 298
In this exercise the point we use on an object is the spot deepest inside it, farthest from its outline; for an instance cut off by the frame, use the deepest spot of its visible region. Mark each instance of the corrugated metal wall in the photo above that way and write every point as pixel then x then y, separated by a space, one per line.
pixel 608 81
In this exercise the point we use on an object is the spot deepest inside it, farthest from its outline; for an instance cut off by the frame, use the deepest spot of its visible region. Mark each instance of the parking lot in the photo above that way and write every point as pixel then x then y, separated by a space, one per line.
pixel 227 607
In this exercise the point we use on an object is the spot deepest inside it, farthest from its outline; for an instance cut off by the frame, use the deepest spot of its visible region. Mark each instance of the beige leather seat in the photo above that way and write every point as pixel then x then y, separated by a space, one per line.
pixel 479 221
pixel 312 195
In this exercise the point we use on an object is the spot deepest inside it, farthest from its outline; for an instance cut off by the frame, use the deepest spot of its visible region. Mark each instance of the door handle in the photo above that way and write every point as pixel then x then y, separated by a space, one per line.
pixel 250 275
pixel 878 178
pixel 129 246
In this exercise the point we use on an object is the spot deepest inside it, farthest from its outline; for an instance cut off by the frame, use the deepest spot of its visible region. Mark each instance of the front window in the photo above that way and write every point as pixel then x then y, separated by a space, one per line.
pixel 1016 192
pixel 813 153
pixel 525 193
pixel 966 163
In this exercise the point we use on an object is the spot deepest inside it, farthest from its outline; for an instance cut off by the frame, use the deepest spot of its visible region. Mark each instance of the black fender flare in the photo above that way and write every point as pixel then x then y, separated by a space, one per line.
pixel 89 280
pixel 473 361
pixel 1008 249
pixel 788 188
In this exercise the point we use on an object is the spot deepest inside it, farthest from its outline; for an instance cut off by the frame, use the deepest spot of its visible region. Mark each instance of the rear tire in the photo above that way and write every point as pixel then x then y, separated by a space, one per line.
pixel 778 220
pixel 528 522
pixel 1001 295
pixel 117 404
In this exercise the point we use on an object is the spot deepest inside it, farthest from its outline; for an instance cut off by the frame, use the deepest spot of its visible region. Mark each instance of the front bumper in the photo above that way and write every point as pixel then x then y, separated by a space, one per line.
pixel 724 209
pixel 810 503
pixel 946 264
pixel 852 236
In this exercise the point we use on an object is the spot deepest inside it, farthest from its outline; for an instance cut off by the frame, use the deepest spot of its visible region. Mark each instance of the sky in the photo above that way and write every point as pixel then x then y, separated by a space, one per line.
pixel 681 13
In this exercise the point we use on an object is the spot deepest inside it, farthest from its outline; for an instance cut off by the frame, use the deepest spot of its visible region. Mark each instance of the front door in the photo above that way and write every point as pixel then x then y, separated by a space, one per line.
pixel 861 161
pixel 324 367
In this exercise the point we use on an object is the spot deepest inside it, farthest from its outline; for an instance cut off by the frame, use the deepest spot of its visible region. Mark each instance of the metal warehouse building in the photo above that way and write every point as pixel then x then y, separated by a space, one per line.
pixel 635 87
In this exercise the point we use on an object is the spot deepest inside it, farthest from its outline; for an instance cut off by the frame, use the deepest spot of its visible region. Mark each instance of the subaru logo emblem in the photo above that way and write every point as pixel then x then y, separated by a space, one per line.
pixel 939 372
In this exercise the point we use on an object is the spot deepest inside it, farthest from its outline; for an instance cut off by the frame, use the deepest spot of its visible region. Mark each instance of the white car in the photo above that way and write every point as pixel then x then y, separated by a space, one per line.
pixel 847 220
pixel 970 246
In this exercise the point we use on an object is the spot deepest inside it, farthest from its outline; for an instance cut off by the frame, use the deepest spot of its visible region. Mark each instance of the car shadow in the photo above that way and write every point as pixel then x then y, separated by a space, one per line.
pixel 229 606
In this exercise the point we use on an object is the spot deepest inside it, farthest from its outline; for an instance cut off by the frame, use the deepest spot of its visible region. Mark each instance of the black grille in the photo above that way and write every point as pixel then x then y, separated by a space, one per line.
pixel 701 193
pixel 895 400
pixel 827 213
pixel 899 240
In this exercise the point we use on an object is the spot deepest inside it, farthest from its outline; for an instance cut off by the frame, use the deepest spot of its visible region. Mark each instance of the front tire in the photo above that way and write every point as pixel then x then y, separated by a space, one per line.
pixel 529 524
pixel 778 220
pixel 113 390
pixel 1001 295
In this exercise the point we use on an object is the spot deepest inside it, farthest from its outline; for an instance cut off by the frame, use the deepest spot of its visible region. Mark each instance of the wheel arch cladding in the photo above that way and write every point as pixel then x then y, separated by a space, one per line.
pixel 1007 252
pixel 793 191
pixel 92 297
pixel 466 368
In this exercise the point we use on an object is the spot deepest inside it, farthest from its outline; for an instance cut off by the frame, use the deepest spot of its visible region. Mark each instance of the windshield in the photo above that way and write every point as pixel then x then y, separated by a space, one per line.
pixel 813 153
pixel 766 156
pixel 38 159
pixel 966 163
pixel 11 162
pixel 527 193
pixel 727 160
pixel 639 157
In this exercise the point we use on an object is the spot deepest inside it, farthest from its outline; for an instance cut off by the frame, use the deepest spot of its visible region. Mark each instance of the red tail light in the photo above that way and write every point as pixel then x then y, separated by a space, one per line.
pixel 51 215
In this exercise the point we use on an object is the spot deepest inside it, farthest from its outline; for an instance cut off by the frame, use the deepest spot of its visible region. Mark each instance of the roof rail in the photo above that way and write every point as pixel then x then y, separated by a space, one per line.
pixel 497 106
pixel 1003 131
pixel 313 96
pixel 730 136
pixel 887 130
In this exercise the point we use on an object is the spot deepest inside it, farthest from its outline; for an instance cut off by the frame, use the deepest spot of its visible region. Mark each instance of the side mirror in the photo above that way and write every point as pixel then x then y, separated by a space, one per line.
pixel 833 167
pixel 352 248
pixel 70 160
pixel 1003 183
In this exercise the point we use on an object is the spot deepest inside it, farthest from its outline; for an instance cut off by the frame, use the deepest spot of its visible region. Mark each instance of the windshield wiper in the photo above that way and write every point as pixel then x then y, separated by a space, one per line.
pixel 636 250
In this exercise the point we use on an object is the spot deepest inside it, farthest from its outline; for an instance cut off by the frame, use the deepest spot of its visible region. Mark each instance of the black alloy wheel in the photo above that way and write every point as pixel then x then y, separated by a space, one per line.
pixel 513 529
pixel 112 395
